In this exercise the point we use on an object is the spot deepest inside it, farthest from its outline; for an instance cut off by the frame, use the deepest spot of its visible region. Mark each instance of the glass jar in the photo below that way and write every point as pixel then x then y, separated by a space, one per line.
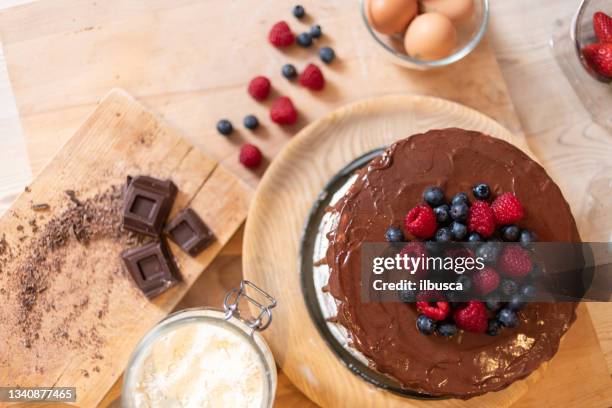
pixel 205 357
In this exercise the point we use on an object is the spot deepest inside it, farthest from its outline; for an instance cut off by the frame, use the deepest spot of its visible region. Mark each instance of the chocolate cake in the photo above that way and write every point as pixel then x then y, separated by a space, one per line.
pixel 467 364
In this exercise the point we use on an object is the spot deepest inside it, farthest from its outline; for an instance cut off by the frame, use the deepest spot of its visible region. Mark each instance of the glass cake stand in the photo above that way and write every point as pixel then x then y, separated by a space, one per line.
pixel 320 305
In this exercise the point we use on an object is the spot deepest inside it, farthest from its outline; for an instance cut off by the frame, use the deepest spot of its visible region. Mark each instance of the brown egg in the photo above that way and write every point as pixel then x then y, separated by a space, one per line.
pixel 430 36
pixel 456 10
pixel 391 16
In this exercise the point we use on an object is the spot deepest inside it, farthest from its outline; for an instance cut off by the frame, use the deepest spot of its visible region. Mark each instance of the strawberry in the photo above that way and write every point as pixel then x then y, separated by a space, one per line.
pixel 436 311
pixel 485 280
pixel 507 209
pixel 283 112
pixel 599 58
pixel 602 23
pixel 514 262
pixel 259 88
pixel 481 219
pixel 250 155
pixel 421 222
pixel 415 249
pixel 472 318
pixel 280 35
pixel 312 78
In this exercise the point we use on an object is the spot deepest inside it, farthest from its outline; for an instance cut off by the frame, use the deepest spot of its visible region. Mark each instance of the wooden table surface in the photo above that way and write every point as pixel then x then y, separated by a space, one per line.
pixel 558 130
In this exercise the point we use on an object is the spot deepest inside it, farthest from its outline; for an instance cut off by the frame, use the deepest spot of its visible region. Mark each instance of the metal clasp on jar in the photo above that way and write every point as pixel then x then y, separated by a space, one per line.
pixel 232 300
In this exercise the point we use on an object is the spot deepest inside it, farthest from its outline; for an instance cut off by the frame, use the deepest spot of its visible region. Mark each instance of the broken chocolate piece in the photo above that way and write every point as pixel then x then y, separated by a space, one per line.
pixel 147 204
pixel 152 268
pixel 189 232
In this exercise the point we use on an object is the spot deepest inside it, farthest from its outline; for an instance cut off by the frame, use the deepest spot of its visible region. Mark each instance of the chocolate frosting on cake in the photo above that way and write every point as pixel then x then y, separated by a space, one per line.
pixel 466 364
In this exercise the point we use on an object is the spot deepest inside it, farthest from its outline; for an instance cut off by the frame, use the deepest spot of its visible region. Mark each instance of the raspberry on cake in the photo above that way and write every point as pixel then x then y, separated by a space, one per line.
pixel 507 209
pixel 437 357
pixel 421 222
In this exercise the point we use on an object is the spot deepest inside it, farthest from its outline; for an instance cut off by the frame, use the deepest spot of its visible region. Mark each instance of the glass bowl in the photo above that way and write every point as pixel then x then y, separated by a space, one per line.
pixel 570 35
pixel 583 32
pixel 470 34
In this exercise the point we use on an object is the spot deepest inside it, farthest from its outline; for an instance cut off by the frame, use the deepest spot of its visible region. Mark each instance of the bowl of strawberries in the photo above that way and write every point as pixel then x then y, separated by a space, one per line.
pixel 592 34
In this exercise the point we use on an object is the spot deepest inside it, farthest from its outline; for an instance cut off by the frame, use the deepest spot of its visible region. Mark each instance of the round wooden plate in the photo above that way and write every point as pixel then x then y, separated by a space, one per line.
pixel 277 218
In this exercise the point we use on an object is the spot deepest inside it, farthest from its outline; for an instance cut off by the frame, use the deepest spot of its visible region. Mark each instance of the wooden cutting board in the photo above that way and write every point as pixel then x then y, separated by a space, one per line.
pixel 89 315
pixel 278 212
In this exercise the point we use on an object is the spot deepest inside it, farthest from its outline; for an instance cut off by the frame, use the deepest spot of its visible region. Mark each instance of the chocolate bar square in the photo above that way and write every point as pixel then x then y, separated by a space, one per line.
pixel 152 268
pixel 189 232
pixel 148 202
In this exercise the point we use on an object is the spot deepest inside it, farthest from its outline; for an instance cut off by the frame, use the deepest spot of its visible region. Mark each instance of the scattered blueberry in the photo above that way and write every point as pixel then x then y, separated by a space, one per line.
pixel 225 127
pixel 298 11
pixel 474 237
pixel 481 191
pixel 304 40
pixel 516 303
pixel 527 237
pixel 447 329
pixel 493 302
pixel 425 325
pixel 315 31
pixel 327 54
pixel 289 71
pixel 489 252
pixel 251 122
pixel 443 235
pixel 508 287
pixel 442 213
pixel 460 198
pixel 528 291
pixel 508 318
pixel 458 231
pixel 407 296
pixel 459 211
pixel 465 281
pixel 493 328
pixel 434 196
pixel 510 233
pixel 394 234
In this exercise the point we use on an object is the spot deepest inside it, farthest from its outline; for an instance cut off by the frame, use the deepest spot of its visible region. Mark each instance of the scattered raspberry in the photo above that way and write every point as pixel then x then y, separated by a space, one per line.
pixel 437 311
pixel 599 58
pixel 259 88
pixel 481 219
pixel 283 112
pixel 421 222
pixel 515 262
pixel 312 78
pixel 415 249
pixel 280 35
pixel 472 318
pixel 602 23
pixel 250 155
pixel 507 209
pixel 485 280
